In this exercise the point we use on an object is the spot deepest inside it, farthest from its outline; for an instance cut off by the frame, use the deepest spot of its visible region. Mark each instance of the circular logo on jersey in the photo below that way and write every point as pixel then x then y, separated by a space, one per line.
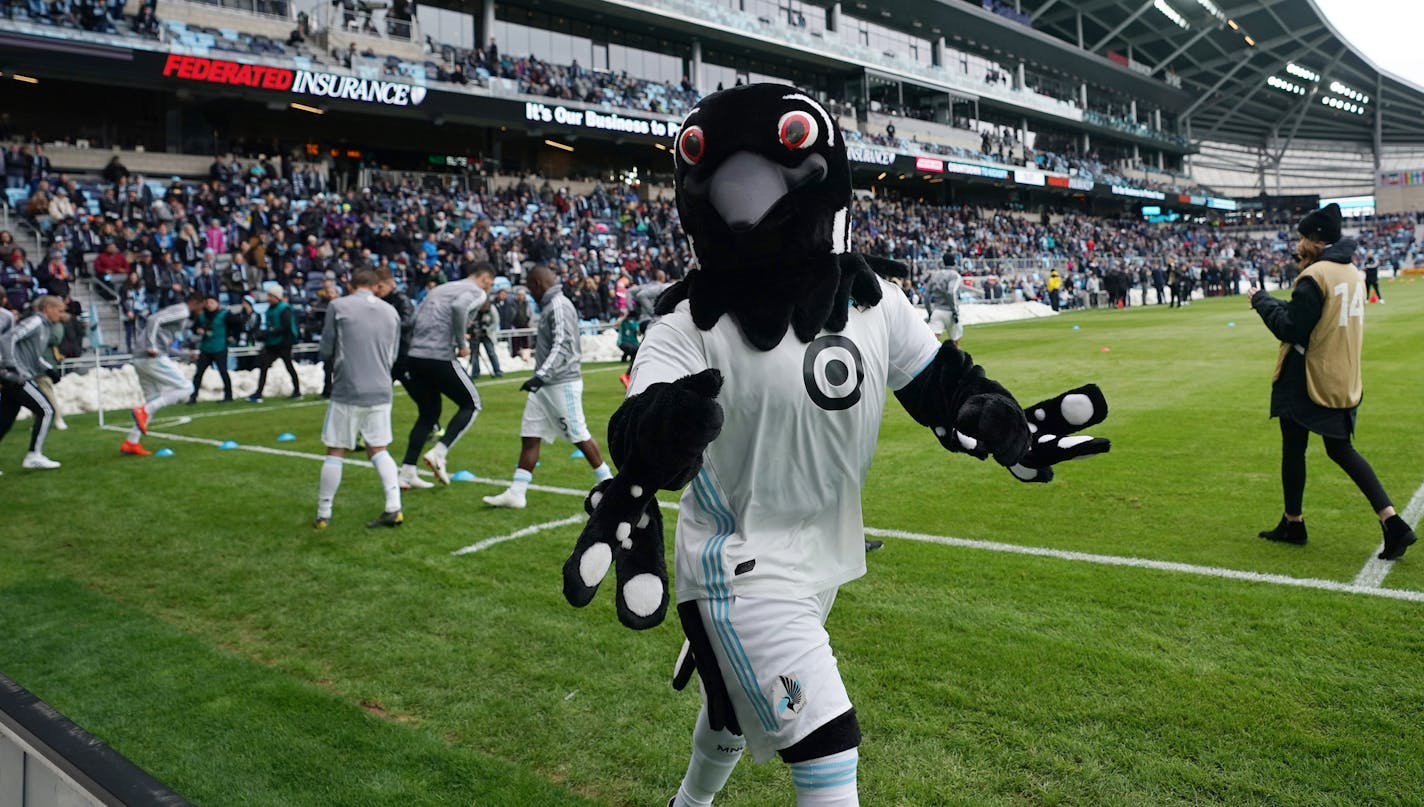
pixel 833 372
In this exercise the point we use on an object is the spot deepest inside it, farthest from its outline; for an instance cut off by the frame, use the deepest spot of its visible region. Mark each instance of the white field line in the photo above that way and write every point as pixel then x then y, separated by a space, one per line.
pixel 943 540
pixel 1372 574
pixel 479 546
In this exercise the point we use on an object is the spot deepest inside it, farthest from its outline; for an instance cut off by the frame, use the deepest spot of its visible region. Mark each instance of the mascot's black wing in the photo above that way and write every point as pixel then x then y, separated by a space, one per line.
pixel 656 439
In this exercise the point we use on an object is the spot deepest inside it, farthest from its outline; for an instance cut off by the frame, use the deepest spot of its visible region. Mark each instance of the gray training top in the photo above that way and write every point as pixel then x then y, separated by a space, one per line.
pixel 26 344
pixel 360 340
pixel 161 330
pixel 442 319
pixel 556 347
pixel 645 299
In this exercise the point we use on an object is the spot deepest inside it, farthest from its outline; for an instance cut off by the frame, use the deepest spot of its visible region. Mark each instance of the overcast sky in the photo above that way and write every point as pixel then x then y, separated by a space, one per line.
pixel 1386 31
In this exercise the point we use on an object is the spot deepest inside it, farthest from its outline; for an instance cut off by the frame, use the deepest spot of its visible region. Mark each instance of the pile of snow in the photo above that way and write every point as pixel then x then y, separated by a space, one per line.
pixel 1004 312
pixel 118 387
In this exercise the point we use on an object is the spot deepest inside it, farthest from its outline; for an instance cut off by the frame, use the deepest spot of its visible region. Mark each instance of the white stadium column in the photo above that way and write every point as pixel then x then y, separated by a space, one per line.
pixel 487 24
pixel 696 72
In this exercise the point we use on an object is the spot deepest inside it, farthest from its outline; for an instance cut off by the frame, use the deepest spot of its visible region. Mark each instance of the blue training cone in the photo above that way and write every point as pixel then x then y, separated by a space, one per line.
pixel 1075 327
pixel 462 476
pixel 227 444
pixel 1231 325
pixel 286 437
pixel 163 452
pixel 577 455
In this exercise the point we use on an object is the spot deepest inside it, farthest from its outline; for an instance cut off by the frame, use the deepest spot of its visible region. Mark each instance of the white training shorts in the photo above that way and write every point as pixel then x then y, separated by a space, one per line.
pixel 554 411
pixel 345 422
pixel 942 320
pixel 158 375
pixel 776 661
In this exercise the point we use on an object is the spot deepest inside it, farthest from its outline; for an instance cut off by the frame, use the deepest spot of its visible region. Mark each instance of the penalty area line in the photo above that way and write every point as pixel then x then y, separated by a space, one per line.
pixel 943 540
pixel 1373 573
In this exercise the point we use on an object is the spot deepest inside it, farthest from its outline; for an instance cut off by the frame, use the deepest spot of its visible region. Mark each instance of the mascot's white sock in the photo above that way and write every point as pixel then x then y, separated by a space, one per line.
pixel 826 781
pixel 330 481
pixel 172 396
pixel 390 479
pixel 602 472
pixel 714 755
pixel 522 478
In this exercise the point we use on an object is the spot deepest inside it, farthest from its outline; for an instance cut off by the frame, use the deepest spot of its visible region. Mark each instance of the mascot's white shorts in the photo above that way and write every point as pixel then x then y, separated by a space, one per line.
pixel 159 375
pixel 776 661
pixel 345 422
pixel 554 411
pixel 942 320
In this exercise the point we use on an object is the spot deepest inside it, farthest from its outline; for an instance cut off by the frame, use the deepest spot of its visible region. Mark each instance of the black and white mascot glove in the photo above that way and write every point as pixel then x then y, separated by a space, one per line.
pixel 972 414
pixel 656 439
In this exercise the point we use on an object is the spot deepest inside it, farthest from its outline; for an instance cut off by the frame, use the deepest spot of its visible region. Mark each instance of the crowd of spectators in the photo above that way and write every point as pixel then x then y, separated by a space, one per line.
pixel 99 16
pixel 148 244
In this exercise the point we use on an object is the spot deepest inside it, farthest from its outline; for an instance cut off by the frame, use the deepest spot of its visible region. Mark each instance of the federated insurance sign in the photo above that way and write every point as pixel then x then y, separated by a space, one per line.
pixel 298 82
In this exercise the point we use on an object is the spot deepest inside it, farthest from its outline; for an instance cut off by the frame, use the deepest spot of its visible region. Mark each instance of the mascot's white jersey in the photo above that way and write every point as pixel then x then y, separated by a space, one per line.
pixel 775 512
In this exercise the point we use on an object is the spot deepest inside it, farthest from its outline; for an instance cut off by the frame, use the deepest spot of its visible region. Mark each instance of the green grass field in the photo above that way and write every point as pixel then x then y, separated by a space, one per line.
pixel 183 609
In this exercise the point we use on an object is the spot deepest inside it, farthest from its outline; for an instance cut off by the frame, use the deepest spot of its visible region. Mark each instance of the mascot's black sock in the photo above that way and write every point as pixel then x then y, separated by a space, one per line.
pixel 1397 538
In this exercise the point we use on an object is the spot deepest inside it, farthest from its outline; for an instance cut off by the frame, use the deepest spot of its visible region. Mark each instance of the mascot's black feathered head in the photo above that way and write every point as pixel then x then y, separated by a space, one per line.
pixel 763 190
pixel 762 176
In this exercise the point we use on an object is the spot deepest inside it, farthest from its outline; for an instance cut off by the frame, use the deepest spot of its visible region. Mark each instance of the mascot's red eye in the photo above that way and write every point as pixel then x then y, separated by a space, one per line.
pixel 692 144
pixel 797 130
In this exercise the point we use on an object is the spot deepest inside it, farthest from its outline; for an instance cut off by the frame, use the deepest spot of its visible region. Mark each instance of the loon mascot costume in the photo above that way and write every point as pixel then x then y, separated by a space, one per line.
pixel 762 389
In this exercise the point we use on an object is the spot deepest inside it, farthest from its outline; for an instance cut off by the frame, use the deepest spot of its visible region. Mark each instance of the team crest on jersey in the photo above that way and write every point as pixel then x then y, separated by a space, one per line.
pixel 833 372
pixel 793 698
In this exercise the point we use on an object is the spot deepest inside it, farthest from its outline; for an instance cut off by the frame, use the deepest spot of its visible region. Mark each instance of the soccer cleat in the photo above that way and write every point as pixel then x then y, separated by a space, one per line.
pixel 320 523
pixel 410 479
pixel 393 519
pixel 1286 532
pixel 135 449
pixel 871 546
pixel 508 498
pixel 1397 537
pixel 39 462
pixel 437 464
pixel 254 398
pixel 626 379
pixel 140 418
pixel 59 423
pixel 294 396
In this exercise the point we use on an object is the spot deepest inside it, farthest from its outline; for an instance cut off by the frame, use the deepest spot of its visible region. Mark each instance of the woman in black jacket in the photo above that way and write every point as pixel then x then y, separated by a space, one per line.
pixel 1318 385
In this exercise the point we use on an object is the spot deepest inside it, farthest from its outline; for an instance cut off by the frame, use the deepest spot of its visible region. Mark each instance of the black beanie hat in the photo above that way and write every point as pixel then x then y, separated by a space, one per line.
pixel 1322 224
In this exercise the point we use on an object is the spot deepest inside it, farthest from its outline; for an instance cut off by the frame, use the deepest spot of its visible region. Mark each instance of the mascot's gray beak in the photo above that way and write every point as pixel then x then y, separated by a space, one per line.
pixel 746 186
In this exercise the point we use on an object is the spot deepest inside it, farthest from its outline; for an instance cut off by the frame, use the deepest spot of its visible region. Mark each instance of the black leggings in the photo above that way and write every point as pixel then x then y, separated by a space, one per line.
pixel 218 360
pixel 427 380
pixel 26 395
pixel 271 354
pixel 1293 441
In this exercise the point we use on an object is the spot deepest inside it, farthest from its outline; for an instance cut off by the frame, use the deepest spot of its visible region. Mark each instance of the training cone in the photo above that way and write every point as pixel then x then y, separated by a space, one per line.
pixel 286 437
pixel 227 444
pixel 1231 325
pixel 163 452
pixel 462 476
pixel 1075 327
pixel 1105 350
pixel 577 455
pixel 1374 298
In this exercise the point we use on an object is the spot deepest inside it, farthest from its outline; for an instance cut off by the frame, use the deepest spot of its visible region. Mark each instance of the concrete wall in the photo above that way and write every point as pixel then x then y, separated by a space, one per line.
pixel 28 780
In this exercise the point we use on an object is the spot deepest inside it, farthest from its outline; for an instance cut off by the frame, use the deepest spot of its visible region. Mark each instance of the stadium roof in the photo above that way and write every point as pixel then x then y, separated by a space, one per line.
pixel 1235 57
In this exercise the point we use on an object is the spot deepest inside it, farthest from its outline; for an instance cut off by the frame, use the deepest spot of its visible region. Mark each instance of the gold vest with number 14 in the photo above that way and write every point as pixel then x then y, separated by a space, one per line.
pixel 1332 361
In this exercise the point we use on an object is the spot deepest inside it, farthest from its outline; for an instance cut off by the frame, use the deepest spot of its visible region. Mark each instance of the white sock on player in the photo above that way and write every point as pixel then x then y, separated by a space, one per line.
pixel 166 398
pixel 330 481
pixel 827 781
pixel 602 472
pixel 714 755
pixel 522 478
pixel 134 435
pixel 390 479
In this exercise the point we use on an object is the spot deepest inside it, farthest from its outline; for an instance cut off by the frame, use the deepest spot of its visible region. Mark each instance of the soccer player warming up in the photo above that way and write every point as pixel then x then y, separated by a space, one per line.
pixel 22 358
pixel 555 404
pixel 158 376
pixel 359 340
pixel 433 370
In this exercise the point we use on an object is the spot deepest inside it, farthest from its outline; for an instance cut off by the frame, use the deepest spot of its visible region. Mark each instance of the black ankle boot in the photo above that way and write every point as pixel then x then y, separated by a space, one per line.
pixel 1286 532
pixel 1397 538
